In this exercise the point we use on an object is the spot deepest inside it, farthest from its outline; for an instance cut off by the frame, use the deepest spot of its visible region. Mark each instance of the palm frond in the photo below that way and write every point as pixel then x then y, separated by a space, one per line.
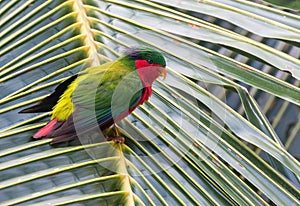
pixel 189 144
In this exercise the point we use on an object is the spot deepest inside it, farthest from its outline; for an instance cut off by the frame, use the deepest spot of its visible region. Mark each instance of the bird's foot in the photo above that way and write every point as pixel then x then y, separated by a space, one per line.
pixel 117 139
pixel 112 134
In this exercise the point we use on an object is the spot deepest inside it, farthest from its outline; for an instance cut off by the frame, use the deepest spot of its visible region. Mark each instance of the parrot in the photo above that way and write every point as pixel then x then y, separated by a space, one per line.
pixel 100 96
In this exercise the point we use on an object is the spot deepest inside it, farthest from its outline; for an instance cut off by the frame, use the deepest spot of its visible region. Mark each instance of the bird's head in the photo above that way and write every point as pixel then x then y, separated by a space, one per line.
pixel 150 64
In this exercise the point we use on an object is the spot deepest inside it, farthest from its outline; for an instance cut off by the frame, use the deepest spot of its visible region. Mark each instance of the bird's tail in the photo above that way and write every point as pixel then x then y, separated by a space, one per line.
pixel 44 131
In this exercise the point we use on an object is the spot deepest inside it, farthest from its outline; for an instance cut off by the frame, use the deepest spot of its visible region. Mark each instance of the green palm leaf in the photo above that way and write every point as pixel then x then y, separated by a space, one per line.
pixel 189 145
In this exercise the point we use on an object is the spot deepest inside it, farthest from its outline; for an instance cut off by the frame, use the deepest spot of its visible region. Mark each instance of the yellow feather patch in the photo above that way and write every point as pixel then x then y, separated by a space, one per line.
pixel 64 107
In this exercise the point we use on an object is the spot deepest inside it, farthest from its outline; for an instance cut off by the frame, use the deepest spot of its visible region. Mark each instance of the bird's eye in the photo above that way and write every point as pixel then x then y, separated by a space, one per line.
pixel 150 61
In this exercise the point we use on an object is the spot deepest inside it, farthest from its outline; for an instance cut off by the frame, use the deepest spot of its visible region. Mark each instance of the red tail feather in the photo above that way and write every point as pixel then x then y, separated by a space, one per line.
pixel 46 129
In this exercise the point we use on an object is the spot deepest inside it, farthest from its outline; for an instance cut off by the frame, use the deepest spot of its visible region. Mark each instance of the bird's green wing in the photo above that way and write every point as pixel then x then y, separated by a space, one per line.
pixel 105 93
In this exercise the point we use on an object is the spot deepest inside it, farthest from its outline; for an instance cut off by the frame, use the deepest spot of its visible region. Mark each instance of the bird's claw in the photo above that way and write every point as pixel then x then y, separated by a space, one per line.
pixel 117 139
pixel 112 134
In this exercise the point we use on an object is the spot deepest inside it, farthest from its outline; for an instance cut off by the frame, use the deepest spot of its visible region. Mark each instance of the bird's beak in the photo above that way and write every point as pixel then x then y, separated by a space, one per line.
pixel 162 72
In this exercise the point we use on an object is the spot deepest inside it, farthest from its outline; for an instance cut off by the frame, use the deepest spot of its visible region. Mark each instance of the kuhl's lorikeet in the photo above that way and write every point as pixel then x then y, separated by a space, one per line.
pixel 100 94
